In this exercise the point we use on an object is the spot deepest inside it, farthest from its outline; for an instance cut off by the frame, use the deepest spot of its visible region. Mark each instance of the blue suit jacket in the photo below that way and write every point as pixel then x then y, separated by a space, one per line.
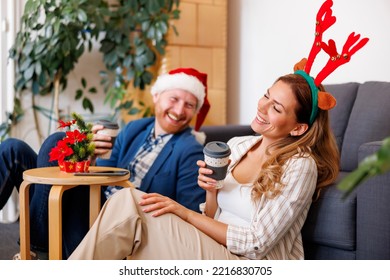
pixel 174 172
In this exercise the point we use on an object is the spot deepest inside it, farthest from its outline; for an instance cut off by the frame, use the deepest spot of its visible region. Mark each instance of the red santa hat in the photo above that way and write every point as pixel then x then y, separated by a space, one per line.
pixel 190 80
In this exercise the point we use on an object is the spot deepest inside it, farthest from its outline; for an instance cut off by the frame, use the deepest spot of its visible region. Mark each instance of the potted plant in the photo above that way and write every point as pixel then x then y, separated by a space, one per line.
pixel 55 34
pixel 73 152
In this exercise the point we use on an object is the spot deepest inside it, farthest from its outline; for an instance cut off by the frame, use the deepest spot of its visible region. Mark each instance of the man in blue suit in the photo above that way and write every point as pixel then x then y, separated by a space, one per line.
pixel 160 152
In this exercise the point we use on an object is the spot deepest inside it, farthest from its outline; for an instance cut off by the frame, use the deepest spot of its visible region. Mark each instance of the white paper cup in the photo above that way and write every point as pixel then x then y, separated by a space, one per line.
pixel 111 129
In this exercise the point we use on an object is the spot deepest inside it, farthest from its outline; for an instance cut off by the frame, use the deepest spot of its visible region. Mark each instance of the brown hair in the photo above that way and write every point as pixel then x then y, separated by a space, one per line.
pixel 318 141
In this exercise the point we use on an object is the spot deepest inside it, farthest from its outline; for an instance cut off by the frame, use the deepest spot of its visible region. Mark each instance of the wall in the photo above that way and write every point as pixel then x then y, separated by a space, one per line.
pixel 202 43
pixel 266 38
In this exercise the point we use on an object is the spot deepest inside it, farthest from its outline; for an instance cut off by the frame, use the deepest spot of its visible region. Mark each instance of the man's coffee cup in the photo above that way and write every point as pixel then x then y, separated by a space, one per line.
pixel 216 157
pixel 111 129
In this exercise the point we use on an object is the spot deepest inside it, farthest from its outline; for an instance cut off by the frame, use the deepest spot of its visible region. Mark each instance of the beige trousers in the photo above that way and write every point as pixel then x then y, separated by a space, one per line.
pixel 122 230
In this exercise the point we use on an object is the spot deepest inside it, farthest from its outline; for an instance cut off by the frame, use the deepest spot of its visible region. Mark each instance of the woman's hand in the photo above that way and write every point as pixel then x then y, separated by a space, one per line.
pixel 159 205
pixel 205 182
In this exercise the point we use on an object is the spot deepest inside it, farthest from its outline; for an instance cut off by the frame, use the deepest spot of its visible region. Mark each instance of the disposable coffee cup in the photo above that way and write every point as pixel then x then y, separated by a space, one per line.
pixel 216 157
pixel 111 129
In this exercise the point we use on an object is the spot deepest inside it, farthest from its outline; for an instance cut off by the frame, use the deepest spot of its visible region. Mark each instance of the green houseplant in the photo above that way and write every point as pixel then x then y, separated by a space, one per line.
pixel 55 34
pixel 52 38
pixel 133 44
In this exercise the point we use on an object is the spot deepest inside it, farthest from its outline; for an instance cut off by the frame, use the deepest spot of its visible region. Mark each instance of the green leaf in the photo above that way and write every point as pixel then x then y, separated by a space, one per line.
pixel 103 73
pixel 39 48
pixel 92 90
pixel 82 16
pixel 20 83
pixel 26 64
pixel 28 49
pixel 35 87
pixel 133 111
pixel 153 6
pixel 49 31
pixel 38 67
pixel 83 82
pixel 128 104
pixel 30 6
pixel 130 74
pixel 87 105
pixel 79 94
pixel 127 61
pixel 42 79
pixel 29 72
pixel 147 113
pixel 147 77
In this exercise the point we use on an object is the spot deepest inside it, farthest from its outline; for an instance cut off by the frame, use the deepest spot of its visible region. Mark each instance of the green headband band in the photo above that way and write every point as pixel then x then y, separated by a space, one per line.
pixel 314 94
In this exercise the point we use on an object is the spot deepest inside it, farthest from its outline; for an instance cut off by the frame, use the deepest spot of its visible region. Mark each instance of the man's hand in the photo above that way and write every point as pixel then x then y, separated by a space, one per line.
pixel 102 142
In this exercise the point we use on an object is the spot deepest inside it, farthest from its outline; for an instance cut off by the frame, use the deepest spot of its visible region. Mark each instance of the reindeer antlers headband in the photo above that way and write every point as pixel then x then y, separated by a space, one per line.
pixel 324 20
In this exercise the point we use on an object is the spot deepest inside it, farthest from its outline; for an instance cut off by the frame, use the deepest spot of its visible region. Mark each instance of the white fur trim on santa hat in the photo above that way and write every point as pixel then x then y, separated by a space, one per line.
pixel 180 81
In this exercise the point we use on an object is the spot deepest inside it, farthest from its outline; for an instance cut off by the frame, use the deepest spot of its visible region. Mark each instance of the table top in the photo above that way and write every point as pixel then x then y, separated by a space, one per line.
pixel 53 176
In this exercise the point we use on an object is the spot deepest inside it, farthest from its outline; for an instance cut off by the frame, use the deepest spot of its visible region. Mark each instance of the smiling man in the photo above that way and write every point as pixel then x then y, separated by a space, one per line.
pixel 161 153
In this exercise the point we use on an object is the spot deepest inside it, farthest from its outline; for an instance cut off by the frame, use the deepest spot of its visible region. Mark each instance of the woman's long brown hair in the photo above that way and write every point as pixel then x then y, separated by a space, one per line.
pixel 318 141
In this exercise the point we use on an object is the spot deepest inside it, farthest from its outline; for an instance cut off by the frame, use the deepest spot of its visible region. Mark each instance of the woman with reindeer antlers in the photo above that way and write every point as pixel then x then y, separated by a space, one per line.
pixel 271 181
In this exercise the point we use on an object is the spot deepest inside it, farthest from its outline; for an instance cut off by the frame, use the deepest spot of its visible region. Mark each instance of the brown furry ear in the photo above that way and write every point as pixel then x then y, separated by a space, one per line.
pixel 325 100
pixel 300 65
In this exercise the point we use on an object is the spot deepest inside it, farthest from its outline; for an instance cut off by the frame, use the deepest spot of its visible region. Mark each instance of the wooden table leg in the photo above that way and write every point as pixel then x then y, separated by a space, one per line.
pixel 55 221
pixel 94 203
pixel 95 199
pixel 24 220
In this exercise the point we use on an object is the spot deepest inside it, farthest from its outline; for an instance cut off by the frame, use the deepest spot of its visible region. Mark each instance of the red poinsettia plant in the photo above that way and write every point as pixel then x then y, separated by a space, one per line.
pixel 74 150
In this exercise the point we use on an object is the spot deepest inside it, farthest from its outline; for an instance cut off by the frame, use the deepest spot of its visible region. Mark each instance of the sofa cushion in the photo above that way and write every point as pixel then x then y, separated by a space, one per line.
pixel 373 226
pixel 331 220
pixel 226 132
pixel 369 121
pixel 319 252
pixel 345 95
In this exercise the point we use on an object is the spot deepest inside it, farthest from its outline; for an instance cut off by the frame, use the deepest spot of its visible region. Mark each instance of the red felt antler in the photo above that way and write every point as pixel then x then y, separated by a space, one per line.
pixel 324 20
pixel 335 59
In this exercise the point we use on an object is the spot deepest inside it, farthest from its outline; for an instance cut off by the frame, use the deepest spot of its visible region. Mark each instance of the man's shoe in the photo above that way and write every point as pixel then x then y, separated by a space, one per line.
pixel 34 256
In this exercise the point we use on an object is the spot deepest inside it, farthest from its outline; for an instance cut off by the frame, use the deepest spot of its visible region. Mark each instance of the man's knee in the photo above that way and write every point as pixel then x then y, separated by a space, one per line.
pixel 48 144
pixel 14 146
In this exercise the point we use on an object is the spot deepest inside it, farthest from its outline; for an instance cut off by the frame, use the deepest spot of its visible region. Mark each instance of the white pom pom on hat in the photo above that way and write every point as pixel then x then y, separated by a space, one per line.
pixel 188 79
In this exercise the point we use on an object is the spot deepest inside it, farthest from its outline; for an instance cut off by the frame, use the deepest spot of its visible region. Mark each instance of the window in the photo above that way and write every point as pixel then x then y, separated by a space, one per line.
pixel 10 13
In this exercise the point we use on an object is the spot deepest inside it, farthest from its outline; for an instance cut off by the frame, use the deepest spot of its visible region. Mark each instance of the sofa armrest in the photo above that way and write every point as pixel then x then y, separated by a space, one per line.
pixel 368 149
pixel 373 212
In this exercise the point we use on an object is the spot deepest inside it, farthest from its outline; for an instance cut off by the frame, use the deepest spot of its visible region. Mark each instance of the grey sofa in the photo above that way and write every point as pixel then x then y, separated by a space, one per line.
pixel 357 227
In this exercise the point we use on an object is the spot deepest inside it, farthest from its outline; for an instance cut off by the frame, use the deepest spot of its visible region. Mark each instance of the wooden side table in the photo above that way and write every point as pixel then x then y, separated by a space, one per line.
pixel 60 182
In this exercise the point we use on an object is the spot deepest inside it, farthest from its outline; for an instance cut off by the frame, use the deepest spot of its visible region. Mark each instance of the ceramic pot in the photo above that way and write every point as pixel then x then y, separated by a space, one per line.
pixel 74 167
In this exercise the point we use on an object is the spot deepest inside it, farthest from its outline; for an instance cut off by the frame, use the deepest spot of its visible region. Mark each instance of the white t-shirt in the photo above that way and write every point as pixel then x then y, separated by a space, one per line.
pixel 235 203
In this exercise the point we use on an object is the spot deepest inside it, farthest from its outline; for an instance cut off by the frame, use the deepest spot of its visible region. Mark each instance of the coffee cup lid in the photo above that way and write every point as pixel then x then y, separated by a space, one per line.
pixel 108 124
pixel 217 149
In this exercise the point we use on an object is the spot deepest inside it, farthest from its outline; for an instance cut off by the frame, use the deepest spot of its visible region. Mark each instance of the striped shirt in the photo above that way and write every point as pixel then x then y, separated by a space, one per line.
pixel 143 160
pixel 265 238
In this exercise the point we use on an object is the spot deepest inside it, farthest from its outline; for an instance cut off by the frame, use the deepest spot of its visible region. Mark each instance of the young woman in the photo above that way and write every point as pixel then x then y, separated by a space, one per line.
pixel 259 212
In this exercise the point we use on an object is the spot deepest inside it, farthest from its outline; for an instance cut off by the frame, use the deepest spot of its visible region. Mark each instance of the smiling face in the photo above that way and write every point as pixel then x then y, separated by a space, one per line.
pixel 276 118
pixel 174 110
